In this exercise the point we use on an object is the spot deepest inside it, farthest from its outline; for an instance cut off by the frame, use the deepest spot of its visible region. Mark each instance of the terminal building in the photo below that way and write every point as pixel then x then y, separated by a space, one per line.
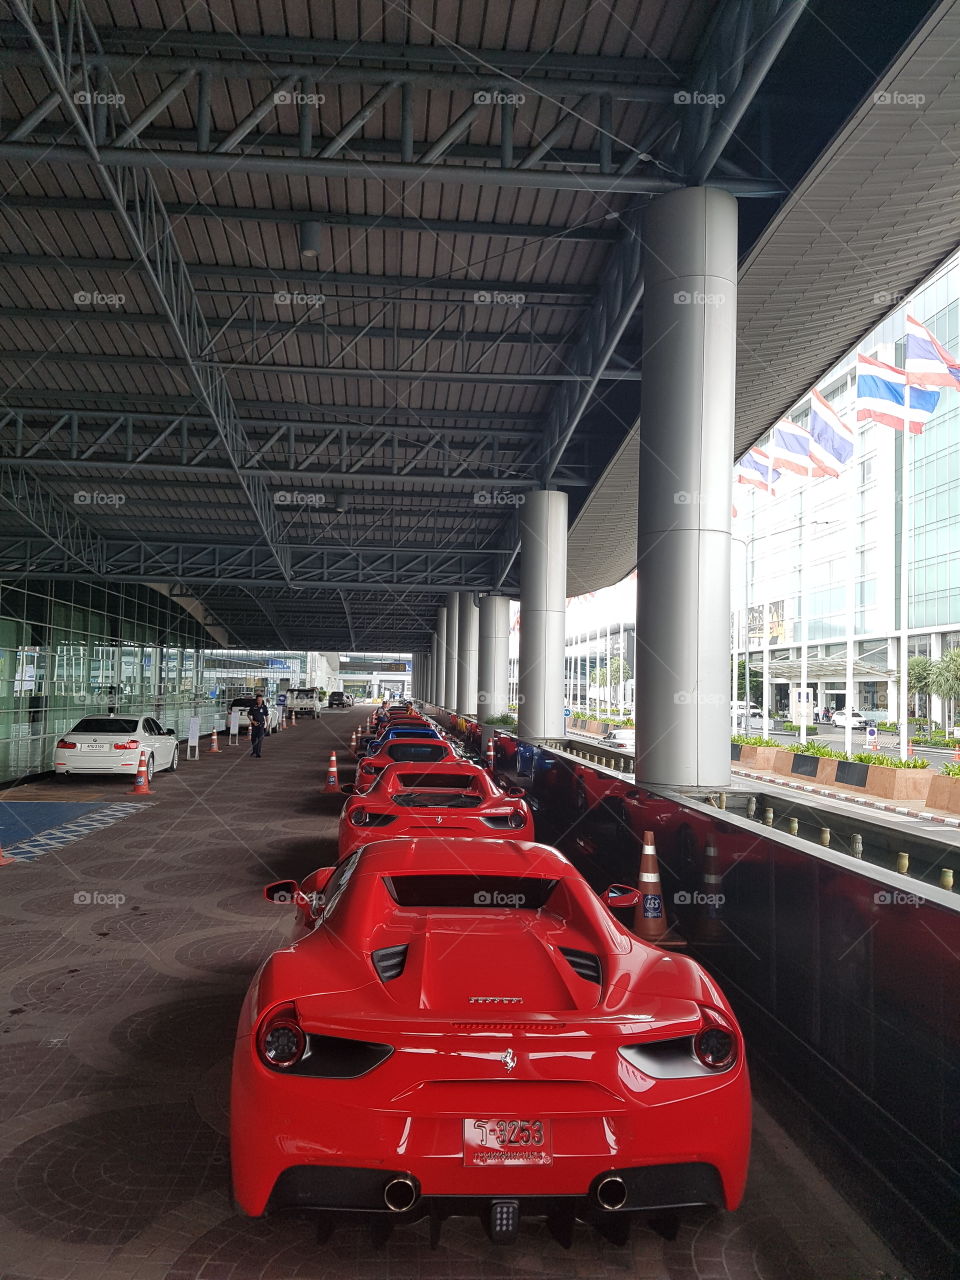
pixel 416 354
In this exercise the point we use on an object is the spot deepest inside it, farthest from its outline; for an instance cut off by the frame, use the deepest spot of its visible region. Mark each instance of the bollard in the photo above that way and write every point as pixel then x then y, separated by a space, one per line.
pixel 751 806
pixel 856 846
pixel 825 836
pixel 792 826
pixel 903 863
pixel 768 817
pixel 723 800
pixel 946 877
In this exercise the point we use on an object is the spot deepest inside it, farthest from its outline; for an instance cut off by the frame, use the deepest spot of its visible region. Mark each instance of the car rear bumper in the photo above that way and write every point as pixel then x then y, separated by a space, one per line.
pixel 99 764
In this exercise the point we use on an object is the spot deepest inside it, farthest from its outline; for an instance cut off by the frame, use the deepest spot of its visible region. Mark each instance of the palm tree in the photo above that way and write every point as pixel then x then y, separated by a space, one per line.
pixel 919 675
pixel 945 679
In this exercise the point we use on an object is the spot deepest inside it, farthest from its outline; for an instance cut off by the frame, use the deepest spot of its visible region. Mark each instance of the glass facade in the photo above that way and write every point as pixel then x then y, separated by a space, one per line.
pixel 68 649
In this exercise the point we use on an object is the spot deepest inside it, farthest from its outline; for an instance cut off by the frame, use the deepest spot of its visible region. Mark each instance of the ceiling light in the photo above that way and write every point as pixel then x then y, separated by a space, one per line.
pixel 310 236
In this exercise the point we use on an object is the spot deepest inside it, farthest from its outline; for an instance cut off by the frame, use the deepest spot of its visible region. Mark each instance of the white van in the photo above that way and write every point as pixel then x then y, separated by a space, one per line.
pixel 304 701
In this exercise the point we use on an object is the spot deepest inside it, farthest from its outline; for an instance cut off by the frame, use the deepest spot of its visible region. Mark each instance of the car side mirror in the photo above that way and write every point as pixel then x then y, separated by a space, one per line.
pixel 171 733
pixel 281 891
pixel 622 895
pixel 348 789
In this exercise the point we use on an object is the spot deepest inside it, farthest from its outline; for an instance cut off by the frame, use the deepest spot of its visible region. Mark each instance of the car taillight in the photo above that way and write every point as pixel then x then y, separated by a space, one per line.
pixel 358 817
pixel 715 1044
pixel 64 745
pixel 367 768
pixel 130 745
pixel 281 1042
pixel 517 818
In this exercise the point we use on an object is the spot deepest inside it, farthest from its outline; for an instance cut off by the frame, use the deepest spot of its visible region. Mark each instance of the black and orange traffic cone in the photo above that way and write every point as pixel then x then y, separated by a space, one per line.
pixel 214 744
pixel 333 781
pixel 141 783
pixel 650 917
pixel 711 926
pixel 491 753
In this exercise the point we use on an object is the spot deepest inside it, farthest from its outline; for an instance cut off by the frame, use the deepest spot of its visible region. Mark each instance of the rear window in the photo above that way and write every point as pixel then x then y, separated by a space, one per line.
pixel 416 751
pixel 438 781
pixel 438 800
pixel 470 892
pixel 242 702
pixel 107 725
pixel 412 733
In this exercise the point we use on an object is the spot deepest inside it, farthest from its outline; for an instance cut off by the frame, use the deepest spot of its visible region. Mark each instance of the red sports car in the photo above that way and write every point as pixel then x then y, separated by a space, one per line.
pixel 448 1040
pixel 412 750
pixel 450 798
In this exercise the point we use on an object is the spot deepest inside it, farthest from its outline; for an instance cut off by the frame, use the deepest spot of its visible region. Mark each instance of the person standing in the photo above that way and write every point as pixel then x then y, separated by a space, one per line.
pixel 259 717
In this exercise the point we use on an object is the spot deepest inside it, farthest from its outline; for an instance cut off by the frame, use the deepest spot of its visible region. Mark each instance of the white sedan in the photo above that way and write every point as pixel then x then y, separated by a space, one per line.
pixel 112 744
pixel 856 719
pixel 621 739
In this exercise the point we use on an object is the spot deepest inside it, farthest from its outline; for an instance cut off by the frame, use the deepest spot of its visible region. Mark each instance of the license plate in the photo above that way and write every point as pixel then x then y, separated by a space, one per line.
pixel 501 1142
pixel 95 746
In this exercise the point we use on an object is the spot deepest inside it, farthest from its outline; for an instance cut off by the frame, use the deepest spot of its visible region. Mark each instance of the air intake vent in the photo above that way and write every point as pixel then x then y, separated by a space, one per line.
pixel 584 963
pixel 389 962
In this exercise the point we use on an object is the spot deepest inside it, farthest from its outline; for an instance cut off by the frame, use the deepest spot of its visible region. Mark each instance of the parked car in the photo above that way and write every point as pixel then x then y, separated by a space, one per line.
pixel 621 739
pixel 411 750
pixel 854 718
pixel 112 744
pixel 305 702
pixel 464 1026
pixel 245 703
pixel 337 700
pixel 452 798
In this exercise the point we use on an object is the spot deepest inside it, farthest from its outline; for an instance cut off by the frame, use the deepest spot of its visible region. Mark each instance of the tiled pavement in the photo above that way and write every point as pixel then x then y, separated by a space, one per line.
pixel 124 958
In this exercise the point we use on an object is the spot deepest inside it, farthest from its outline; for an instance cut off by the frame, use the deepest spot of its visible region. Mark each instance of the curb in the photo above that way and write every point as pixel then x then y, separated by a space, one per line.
pixel 843 795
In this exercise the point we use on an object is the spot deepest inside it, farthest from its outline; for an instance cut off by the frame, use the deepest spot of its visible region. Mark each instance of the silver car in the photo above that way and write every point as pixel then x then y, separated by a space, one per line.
pixel 112 744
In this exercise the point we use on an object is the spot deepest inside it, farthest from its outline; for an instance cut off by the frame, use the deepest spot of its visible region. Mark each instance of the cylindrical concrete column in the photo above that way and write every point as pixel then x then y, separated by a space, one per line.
pixel 468 626
pixel 432 677
pixel 493 656
pixel 453 623
pixel 543 604
pixel 440 677
pixel 686 454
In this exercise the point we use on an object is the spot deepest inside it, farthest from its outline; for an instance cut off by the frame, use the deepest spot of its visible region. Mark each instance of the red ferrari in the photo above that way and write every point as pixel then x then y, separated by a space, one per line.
pixel 411 750
pixel 446 1041
pixel 451 798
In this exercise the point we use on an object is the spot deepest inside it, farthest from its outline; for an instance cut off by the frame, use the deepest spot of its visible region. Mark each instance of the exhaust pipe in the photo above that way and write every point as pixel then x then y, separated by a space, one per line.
pixel 612 1193
pixel 400 1194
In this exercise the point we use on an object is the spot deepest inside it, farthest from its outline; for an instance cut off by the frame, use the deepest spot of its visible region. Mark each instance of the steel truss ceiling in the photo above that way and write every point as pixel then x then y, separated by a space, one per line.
pixel 346 437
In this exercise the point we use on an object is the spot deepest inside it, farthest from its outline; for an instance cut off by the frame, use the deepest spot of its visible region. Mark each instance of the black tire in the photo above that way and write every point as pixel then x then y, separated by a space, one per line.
pixel 150 767
pixel 174 759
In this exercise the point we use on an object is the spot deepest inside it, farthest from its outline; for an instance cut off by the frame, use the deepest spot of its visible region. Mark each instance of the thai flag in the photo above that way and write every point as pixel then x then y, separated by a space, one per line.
pixel 790 447
pixel 926 362
pixel 829 431
pixel 885 395
pixel 756 468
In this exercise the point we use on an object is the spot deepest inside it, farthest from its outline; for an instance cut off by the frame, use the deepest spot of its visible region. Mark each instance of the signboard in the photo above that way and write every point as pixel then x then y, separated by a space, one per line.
pixel 234 723
pixel 871 732
pixel 567 713
pixel 193 739
pixel 281 699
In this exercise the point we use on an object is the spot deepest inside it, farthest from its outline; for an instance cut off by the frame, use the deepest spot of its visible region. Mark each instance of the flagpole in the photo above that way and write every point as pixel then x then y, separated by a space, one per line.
pixel 803 629
pixel 766 603
pixel 852 516
pixel 905 493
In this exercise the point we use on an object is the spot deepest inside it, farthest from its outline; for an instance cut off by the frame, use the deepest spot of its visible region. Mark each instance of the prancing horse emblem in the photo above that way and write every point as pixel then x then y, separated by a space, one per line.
pixel 509 1060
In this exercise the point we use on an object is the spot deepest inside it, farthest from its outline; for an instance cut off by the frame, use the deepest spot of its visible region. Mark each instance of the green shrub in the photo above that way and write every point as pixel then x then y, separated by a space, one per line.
pixel 951 770
pixel 890 762
pixel 746 740
pixel 815 749
pixel 506 720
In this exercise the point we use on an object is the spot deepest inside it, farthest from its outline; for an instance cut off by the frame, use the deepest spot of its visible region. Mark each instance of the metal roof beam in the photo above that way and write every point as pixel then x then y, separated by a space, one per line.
pixel 61 530
pixel 385 222
pixel 145 227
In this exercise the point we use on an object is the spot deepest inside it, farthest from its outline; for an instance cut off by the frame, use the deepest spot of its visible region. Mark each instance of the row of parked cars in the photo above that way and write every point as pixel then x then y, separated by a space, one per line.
pixel 463 1025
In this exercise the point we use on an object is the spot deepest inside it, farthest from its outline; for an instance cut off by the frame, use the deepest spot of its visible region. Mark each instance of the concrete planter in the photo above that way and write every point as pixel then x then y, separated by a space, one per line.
pixel 765 756
pixel 907 786
pixel 944 793
pixel 748 756
pixel 782 760
pixel 826 771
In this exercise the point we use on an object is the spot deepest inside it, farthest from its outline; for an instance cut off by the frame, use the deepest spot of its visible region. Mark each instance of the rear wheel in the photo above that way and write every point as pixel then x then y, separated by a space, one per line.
pixel 150 767
pixel 174 759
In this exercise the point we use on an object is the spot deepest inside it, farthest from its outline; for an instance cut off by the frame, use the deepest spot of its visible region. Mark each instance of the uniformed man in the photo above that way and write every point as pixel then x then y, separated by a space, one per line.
pixel 259 717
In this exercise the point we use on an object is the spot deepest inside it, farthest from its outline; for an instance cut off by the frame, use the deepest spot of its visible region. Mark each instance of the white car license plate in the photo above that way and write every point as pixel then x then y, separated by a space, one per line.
pixel 95 746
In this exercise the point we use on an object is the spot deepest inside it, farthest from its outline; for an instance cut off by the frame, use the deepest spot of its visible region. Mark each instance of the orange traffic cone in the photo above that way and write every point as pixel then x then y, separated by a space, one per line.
pixel 650 918
pixel 293 719
pixel 214 744
pixel 956 752
pixel 909 746
pixel 353 742
pixel 333 781
pixel 141 783
pixel 491 753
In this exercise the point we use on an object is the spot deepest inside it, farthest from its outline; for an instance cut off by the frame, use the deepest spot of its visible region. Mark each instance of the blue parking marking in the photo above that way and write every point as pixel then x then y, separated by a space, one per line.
pixel 82 820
